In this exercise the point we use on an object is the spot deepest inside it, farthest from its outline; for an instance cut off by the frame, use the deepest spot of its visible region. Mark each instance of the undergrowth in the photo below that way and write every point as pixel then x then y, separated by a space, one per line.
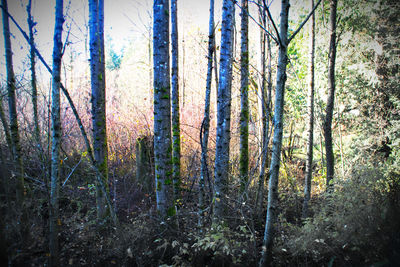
pixel 356 225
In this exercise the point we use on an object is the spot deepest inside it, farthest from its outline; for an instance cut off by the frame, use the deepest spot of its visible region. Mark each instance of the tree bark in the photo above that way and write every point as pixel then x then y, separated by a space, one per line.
pixel 244 97
pixel 224 111
pixel 176 132
pixel 277 140
pixel 98 85
pixel 204 133
pixel 56 136
pixel 12 108
pixel 162 111
pixel 310 129
pixel 330 160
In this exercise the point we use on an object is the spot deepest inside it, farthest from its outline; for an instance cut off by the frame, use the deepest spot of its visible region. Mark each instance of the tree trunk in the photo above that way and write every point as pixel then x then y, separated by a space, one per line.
pixel 12 108
pixel 162 111
pixel 204 133
pixel 272 212
pixel 244 97
pixel 265 106
pixel 310 129
pixel 56 136
pixel 224 110
pixel 5 127
pixel 98 84
pixel 330 161
pixel 176 132
pixel 31 25
pixel 144 166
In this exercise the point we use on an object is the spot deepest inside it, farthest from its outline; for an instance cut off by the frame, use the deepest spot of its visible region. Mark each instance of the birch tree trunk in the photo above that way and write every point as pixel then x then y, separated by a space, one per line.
pixel 204 133
pixel 12 108
pixel 277 140
pixel 310 129
pixel 176 132
pixel 162 111
pixel 244 97
pixel 224 110
pixel 31 25
pixel 55 136
pixel 98 84
pixel 330 161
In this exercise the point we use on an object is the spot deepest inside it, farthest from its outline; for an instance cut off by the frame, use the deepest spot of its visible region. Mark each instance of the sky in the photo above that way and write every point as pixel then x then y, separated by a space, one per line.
pixel 124 20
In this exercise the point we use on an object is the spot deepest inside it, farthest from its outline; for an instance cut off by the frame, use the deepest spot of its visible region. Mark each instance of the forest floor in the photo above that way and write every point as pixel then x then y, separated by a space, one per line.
pixel 358 226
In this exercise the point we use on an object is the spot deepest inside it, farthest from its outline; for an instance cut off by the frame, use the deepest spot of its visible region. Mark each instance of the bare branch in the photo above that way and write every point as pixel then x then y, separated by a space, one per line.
pixel 304 22
pixel 71 103
pixel 261 26
pixel 273 23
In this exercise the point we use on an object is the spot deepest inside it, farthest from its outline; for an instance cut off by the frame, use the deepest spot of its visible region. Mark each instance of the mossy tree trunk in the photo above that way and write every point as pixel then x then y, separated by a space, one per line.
pixel 12 108
pixel 176 132
pixel 244 97
pixel 310 129
pixel 272 207
pixel 224 111
pixel 56 136
pixel 205 129
pixel 98 84
pixel 144 163
pixel 327 126
pixel 162 111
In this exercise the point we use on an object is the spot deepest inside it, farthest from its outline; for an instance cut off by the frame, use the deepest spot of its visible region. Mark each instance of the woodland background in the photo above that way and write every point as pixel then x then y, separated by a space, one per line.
pixel 355 224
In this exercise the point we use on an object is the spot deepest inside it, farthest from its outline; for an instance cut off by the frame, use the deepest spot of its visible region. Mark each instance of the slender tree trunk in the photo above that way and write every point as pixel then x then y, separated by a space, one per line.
pixel 5 179
pixel 263 22
pixel 149 47
pixel 12 108
pixel 321 148
pixel 244 97
pixel 56 136
pixel 162 111
pixel 224 110
pixel 216 74
pixel 310 129
pixel 176 132
pixel 265 106
pixel 330 161
pixel 272 211
pixel 5 127
pixel 31 25
pixel 183 70
pixel 98 84
pixel 204 133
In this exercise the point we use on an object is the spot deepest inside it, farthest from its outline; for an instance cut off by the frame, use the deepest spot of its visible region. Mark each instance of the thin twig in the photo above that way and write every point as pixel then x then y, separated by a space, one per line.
pixel 72 171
